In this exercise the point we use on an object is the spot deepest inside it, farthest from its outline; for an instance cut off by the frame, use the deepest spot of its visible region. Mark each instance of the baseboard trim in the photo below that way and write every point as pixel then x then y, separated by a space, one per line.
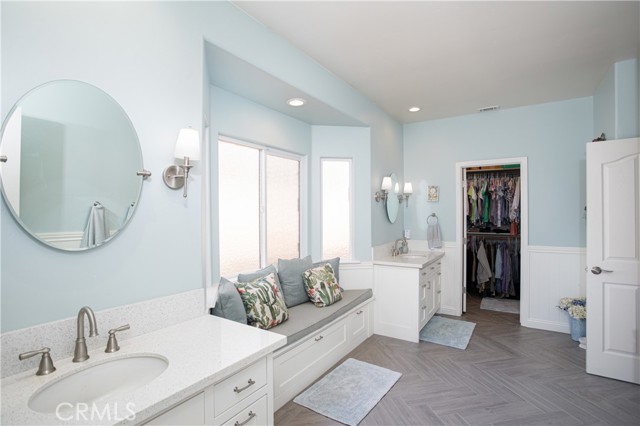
pixel 547 325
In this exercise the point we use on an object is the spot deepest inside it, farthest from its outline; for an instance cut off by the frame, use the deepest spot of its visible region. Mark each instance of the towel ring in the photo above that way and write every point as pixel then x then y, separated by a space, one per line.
pixel 432 215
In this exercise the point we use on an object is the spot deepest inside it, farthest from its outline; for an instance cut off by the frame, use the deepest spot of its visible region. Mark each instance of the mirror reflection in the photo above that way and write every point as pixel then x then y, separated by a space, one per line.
pixel 70 178
pixel 392 199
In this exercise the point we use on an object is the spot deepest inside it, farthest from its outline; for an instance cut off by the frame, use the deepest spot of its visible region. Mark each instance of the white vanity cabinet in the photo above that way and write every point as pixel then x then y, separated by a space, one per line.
pixel 245 398
pixel 225 377
pixel 407 297
pixel 188 413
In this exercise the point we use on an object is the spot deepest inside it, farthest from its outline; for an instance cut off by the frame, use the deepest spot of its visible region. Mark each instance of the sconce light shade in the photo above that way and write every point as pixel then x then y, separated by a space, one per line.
pixel 386 184
pixel 188 144
pixel 384 190
pixel 188 148
pixel 408 188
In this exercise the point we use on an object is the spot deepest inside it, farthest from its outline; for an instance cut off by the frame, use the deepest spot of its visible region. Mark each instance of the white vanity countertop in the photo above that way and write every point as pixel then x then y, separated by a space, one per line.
pixel 201 352
pixel 414 259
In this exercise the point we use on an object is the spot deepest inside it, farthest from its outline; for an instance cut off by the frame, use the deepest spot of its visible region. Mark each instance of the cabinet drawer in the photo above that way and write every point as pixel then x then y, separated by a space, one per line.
pixel 190 412
pixel 255 414
pixel 423 314
pixel 359 325
pixel 424 289
pixel 309 360
pixel 424 275
pixel 237 387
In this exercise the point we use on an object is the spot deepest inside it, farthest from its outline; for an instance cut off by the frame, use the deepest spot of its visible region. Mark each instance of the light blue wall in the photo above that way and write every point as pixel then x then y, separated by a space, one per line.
pixel 616 102
pixel 552 136
pixel 386 154
pixel 149 57
pixel 604 107
pixel 153 68
pixel 343 142
pixel 239 118
pixel 627 114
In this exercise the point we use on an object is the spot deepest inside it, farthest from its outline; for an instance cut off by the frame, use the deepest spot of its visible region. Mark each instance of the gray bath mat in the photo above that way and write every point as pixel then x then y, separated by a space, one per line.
pixel 448 332
pixel 349 392
pixel 501 305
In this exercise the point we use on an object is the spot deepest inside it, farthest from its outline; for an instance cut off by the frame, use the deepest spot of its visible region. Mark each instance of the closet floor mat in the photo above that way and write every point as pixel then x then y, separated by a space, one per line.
pixel 510 306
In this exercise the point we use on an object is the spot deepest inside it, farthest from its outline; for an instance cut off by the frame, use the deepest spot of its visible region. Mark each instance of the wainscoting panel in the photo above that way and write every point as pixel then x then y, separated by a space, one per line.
pixel 551 273
pixel 554 272
pixel 356 275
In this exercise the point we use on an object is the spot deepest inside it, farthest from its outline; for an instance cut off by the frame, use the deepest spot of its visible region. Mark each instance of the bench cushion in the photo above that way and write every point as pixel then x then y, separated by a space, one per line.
pixel 306 318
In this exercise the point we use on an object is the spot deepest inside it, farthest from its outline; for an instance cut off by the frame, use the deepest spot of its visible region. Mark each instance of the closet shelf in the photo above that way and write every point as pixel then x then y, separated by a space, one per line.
pixel 494 234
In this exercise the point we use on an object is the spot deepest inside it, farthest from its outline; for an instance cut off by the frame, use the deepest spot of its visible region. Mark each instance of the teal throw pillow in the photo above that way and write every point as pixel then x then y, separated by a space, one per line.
pixel 290 273
pixel 229 304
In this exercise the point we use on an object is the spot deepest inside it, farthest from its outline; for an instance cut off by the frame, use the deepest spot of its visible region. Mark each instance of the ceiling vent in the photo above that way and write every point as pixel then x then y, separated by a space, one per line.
pixel 489 108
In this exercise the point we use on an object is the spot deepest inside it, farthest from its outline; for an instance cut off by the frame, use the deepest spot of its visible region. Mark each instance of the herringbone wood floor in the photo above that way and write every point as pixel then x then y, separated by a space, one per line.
pixel 508 375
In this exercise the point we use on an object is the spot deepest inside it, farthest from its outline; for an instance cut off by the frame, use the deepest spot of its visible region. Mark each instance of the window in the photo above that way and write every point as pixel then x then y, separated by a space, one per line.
pixel 259 213
pixel 336 208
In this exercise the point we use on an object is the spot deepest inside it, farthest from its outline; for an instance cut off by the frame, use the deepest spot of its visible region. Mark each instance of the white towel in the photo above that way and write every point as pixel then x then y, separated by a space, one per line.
pixel 96 231
pixel 434 235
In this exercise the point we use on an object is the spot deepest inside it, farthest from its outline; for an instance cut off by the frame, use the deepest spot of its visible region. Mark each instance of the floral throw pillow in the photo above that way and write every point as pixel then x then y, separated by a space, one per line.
pixel 263 302
pixel 321 285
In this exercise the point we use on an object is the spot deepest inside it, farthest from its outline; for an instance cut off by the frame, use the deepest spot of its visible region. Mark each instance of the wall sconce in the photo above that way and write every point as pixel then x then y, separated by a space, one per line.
pixel 384 188
pixel 187 147
pixel 408 190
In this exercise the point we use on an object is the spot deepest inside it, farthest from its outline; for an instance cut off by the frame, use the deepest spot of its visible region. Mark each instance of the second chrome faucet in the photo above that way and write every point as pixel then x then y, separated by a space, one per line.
pixel 80 353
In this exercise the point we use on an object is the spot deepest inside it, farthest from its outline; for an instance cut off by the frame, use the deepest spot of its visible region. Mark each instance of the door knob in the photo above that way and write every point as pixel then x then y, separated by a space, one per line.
pixel 596 270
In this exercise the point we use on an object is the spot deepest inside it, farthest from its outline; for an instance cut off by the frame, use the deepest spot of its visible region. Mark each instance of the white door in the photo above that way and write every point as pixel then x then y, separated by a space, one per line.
pixel 464 242
pixel 613 259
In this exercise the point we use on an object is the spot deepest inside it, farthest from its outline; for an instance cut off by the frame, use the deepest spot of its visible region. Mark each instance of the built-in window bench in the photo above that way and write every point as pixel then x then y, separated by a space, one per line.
pixel 317 338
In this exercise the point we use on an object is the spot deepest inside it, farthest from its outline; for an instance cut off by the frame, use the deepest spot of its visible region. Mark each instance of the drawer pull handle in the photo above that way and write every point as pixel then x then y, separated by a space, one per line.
pixel 439 273
pixel 424 307
pixel 424 273
pixel 433 267
pixel 250 383
pixel 424 286
pixel 251 416
pixel 358 313
pixel 439 291
pixel 317 339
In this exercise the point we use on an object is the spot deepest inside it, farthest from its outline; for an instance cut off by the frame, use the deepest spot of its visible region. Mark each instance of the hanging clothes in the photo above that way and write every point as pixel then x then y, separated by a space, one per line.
pixel 484 268
pixel 493 267
pixel 492 202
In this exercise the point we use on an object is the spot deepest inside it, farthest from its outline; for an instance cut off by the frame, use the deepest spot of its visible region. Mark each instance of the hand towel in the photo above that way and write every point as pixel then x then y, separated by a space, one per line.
pixel 96 230
pixel 434 235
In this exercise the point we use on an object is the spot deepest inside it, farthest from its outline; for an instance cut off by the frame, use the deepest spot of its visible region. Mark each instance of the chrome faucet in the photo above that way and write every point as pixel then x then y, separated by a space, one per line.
pixel 80 353
pixel 403 248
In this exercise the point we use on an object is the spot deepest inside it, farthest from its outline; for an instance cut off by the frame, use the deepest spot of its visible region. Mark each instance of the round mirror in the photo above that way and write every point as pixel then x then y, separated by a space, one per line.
pixel 72 157
pixel 392 199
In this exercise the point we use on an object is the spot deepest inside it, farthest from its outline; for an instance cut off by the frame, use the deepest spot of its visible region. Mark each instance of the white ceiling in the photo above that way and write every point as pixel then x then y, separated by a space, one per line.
pixel 452 58
pixel 233 74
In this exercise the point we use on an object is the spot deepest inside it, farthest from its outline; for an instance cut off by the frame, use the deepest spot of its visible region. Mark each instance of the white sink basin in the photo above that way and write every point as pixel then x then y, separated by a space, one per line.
pixel 413 257
pixel 98 382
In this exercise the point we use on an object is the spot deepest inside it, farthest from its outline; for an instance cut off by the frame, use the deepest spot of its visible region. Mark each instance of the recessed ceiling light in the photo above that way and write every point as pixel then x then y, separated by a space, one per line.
pixel 414 109
pixel 296 102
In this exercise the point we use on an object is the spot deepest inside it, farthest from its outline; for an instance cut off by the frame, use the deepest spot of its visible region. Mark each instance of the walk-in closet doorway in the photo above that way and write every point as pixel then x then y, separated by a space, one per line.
pixel 462 168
